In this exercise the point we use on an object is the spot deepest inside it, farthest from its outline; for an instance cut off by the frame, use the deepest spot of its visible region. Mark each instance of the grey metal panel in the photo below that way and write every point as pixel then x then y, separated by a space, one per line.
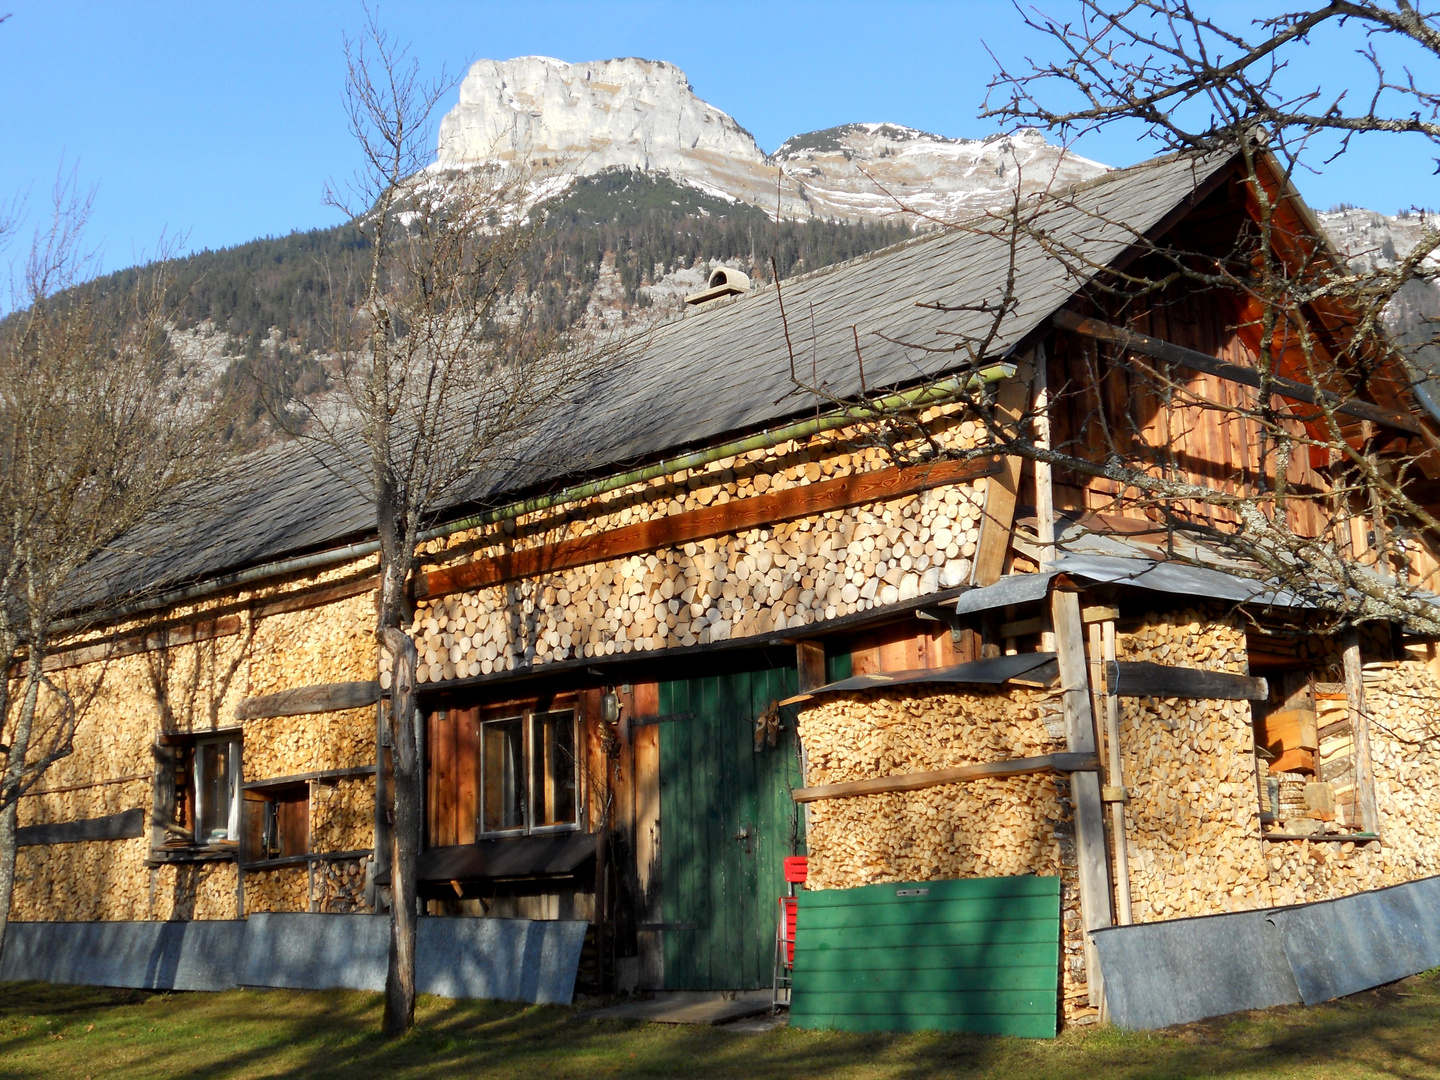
pixel 1181 578
pixel 315 951
pixel 506 959
pixel 143 955
pixel 1012 589
pixel 503 959
pixel 1158 974
pixel 1340 947
pixel 713 373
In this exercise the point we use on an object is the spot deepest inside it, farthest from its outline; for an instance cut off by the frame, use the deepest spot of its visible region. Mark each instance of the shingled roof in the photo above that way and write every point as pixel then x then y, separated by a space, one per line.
pixel 721 370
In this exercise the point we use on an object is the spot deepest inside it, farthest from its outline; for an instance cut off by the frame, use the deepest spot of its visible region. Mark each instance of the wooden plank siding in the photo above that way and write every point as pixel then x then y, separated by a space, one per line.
pixel 1198 435
pixel 976 954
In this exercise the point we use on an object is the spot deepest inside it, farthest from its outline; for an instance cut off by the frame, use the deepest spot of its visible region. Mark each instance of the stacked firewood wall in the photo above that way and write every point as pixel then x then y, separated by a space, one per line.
pixel 754 582
pixel 193 688
pixel 1193 821
pixel 981 828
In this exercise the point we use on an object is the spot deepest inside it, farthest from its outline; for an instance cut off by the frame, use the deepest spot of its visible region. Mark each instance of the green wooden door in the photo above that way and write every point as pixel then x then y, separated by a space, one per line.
pixel 979 954
pixel 726 822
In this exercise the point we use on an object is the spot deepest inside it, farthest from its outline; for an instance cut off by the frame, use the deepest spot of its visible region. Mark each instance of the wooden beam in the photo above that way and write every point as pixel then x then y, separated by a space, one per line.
pixel 919 780
pixel 149 641
pixel 735 516
pixel 1089 813
pixel 1144 679
pixel 327 697
pixel 300 778
pixel 309 598
pixel 1360 732
pixel 810 665
pixel 998 516
pixel 123 826
pixel 1222 369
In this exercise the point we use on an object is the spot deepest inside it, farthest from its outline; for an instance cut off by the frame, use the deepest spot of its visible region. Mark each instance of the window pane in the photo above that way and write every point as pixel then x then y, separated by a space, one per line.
pixel 216 783
pixel 553 764
pixel 502 750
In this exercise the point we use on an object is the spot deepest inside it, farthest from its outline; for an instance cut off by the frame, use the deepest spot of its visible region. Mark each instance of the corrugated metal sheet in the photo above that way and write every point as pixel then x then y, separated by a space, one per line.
pixel 991 672
pixel 1182 579
pixel 1163 973
pixel 1158 974
pixel 503 959
pixel 1340 947
pixel 720 370
pixel 979 954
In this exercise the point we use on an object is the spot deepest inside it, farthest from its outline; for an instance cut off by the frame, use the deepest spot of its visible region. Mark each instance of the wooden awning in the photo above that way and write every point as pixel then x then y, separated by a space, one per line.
pixel 1028 669
pixel 549 855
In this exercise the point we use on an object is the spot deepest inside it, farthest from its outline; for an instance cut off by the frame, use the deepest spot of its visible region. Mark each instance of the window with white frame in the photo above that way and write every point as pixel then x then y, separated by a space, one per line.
pixel 529 772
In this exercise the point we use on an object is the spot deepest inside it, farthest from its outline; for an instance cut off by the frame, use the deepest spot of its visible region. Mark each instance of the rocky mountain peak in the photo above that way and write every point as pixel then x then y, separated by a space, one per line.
pixel 628 113
pixel 643 115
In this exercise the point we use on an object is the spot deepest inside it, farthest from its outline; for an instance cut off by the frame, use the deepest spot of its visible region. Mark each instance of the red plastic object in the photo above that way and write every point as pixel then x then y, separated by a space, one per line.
pixel 789 906
pixel 797 869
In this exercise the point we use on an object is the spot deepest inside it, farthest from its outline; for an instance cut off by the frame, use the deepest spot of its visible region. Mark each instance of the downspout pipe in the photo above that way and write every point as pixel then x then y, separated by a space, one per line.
pixel 918 398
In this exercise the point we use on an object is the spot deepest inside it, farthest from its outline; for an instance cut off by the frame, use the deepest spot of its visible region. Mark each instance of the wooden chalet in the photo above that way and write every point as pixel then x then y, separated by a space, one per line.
pixel 707 620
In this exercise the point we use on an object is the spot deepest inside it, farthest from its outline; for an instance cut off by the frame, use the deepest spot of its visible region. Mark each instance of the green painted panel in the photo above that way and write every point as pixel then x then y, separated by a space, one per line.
pixel 978 954
pixel 726 822
pixel 952 1002
pixel 1020 1026
pixel 922 957
pixel 903 912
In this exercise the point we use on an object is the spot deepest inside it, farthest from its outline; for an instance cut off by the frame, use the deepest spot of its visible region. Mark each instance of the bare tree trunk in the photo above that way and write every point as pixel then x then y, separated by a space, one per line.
pixel 404 919
pixel 10 789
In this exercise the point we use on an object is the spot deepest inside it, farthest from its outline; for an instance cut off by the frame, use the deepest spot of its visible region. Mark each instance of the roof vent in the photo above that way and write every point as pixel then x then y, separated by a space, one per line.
pixel 724 281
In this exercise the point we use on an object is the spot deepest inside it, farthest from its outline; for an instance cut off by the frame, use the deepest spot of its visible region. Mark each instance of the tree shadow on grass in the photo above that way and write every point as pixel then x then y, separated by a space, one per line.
pixel 1392 1032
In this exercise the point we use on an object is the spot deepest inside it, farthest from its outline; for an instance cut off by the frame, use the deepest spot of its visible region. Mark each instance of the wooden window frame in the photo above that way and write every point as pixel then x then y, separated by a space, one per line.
pixel 266 800
pixel 527 717
pixel 185 748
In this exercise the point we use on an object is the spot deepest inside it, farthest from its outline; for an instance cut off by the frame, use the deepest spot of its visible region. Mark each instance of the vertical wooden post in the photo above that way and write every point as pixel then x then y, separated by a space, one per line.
pixel 1360 732
pixel 1117 779
pixel 1095 909
pixel 810 664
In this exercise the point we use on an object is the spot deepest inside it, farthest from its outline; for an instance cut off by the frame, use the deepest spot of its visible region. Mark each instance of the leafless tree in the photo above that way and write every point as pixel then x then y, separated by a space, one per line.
pixel 1339 508
pixel 440 374
pixel 95 438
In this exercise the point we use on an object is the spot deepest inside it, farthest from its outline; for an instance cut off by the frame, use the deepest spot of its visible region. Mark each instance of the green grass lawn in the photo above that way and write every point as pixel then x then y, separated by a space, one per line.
pixel 80 1032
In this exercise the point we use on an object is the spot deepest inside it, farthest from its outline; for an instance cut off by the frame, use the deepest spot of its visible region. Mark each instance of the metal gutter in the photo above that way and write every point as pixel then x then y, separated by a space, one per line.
pixel 919 397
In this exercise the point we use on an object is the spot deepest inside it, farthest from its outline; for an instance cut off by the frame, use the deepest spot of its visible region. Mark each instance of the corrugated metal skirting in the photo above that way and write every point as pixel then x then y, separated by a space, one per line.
pixel 505 959
pixel 1158 974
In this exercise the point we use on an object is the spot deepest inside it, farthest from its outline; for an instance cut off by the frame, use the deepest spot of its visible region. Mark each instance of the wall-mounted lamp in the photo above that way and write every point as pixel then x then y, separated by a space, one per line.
pixel 610 707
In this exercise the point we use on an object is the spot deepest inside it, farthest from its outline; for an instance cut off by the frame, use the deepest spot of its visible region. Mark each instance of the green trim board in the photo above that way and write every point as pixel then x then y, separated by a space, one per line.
pixel 975 954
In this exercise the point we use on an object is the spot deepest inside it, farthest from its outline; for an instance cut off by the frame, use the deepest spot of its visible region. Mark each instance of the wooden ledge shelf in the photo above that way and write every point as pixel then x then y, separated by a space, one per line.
pixel 1067 763
pixel 302 860
pixel 1328 838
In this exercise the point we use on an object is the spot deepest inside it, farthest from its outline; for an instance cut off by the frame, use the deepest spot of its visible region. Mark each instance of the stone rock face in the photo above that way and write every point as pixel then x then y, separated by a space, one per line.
pixel 638 114
pixel 643 115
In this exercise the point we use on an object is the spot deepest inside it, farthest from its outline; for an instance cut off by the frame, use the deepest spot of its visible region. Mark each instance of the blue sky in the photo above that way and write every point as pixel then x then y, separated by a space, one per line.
pixel 222 122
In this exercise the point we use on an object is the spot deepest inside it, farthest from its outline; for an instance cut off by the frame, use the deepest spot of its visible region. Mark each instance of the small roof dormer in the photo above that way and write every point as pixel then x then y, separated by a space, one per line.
pixel 724 281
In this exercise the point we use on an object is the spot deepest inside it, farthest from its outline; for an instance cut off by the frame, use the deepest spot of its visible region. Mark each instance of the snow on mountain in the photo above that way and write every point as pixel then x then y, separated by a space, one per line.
pixel 1372 241
pixel 643 114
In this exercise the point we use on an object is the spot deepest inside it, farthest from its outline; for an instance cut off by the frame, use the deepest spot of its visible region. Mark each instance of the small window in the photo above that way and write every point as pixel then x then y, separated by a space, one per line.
pixel 198 795
pixel 1306 758
pixel 529 772
pixel 277 822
